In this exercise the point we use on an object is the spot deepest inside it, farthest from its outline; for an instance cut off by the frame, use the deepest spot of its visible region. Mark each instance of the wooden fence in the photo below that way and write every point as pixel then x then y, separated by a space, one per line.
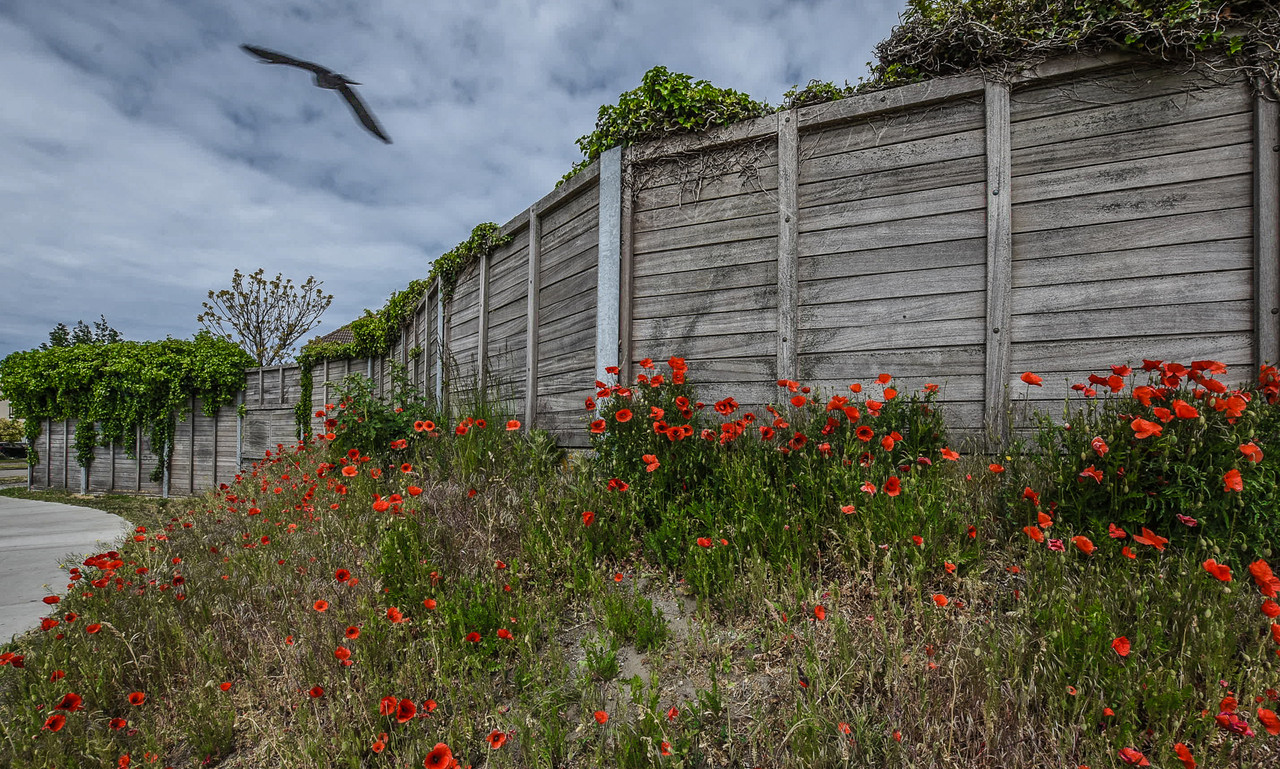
pixel 1092 211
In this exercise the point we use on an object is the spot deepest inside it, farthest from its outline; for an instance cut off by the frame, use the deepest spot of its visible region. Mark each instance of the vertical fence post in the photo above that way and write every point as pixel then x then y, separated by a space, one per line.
pixel 999 262
pixel 111 486
pixel 482 332
pixel 48 454
pixel 788 244
pixel 240 401
pixel 66 454
pixel 608 263
pixel 166 454
pixel 626 276
pixel 531 325
pixel 439 351
pixel 191 437
pixel 1266 231
pixel 214 471
pixel 137 457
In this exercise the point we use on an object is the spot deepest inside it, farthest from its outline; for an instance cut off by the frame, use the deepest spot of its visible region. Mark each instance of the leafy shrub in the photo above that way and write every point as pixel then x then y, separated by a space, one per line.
pixel 11 430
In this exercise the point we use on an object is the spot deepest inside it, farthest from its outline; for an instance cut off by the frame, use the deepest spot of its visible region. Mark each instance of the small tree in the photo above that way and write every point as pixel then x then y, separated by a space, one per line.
pixel 83 333
pixel 265 316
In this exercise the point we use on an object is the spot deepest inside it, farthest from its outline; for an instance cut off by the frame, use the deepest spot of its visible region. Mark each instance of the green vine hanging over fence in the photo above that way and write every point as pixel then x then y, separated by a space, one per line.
pixel 374 332
pixel 113 389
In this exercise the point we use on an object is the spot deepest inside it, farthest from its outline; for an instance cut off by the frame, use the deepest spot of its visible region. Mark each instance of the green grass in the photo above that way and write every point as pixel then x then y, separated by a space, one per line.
pixel 630 616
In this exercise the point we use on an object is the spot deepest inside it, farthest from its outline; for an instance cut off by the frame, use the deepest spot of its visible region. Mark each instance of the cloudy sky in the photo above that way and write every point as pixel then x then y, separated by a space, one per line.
pixel 144 156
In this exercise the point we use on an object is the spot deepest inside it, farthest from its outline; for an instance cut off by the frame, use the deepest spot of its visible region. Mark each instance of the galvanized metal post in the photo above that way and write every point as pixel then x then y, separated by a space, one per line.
pixel 609 263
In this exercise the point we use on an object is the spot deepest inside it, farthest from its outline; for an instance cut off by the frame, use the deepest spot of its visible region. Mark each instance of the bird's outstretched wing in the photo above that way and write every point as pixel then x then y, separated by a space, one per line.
pixel 273 57
pixel 362 112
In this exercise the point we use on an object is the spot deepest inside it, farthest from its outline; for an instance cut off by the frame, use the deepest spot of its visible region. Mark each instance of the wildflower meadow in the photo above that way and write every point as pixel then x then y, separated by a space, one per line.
pixel 830 580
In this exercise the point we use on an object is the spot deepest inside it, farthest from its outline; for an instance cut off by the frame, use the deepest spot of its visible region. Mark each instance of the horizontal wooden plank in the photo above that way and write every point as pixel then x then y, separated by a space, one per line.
pixel 567 336
pixel 714 210
pixel 572 264
pixel 1230 160
pixel 1194 227
pixel 902 155
pixel 673 184
pixel 927 229
pixel 827 268
pixel 511 277
pixel 1095 355
pixel 712 346
pixel 714 256
pixel 932 363
pixel 1130 205
pixel 507 312
pixel 905 97
pixel 728 278
pixel 1134 81
pixel 895 336
pixel 1132 145
pixel 1154 291
pixel 712 369
pixel 1179 258
pixel 762 298
pixel 908 205
pixel 952 388
pixel 705 323
pixel 1133 322
pixel 820 308
pixel 1129 116
pixel 569 359
pixel 708 233
pixel 896 181
pixel 574 241
pixel 940 119
pixel 715 138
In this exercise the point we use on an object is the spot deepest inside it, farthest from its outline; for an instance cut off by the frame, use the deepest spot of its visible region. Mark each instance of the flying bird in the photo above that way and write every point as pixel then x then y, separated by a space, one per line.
pixel 326 78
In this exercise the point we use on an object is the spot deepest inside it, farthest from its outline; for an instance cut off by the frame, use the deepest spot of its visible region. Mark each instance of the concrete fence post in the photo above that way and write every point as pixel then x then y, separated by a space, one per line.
pixel 788 244
pixel 609 263
pixel 999 263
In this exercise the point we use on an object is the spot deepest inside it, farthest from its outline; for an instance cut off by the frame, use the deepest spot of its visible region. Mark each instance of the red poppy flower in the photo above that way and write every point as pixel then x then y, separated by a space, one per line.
pixel 704 542
pixel 350 471
pixel 321 605
pixel 1275 633
pixel 497 738
pixel 1122 646
pixel 379 744
pixel 387 705
pixel 948 454
pixel 820 612
pixel 672 712
pixel 869 487
pixel 57 675
pixel 949 566
pixel 1270 608
pixel 1232 481
pixel 1034 532
pixel 513 424
pixel 588 517
pixel 917 540
pixel 1187 520
pixel 1133 757
pixel 473 637
pixel 395 615
pixel 1148 537
pixel 890 393
pixel 883 379
pixel 1099 446
pixel 51 599
pixel 1115 532
pixel 1032 379
pixel 1268 583
pixel 1269 720
pixel 71 702
pixel 1091 472
pixel 54 722
pixel 1251 452
pixel 1043 519
pixel 601 716
pixel 405 711
pixel 117 724
pixel 865 433
pixel 892 486
pixel 1057 546
pixel 664 747
pixel 940 599
pixel 342 653
pixel 848 509
pixel 137 698
pixel 1144 429
pixel 1220 570
pixel 342 575
pixel 440 757
pixel 623 415
pixel 1085 545
pixel 225 686
pixel 650 462
pixel 430 603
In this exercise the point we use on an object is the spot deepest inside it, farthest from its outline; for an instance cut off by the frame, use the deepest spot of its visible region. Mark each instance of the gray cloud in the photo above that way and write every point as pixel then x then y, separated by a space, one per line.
pixel 146 156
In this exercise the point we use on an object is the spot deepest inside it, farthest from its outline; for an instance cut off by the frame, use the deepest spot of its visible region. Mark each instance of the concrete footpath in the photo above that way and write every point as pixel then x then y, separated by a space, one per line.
pixel 35 539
